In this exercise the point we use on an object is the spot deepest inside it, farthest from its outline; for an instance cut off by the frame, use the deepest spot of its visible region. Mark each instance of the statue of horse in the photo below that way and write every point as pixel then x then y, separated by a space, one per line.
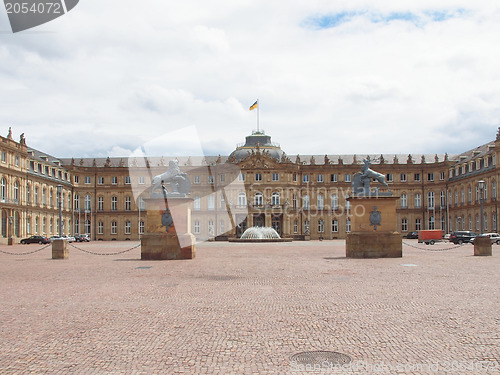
pixel 179 181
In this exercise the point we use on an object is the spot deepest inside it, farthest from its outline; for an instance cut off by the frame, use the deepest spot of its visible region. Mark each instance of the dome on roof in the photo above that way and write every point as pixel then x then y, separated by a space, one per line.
pixel 258 139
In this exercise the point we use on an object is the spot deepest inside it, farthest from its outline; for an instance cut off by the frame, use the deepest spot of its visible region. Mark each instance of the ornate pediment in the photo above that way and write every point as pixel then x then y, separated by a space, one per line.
pixel 261 160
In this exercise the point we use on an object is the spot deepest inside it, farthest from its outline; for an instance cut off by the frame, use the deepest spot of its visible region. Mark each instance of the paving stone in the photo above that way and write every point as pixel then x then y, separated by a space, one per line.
pixel 247 308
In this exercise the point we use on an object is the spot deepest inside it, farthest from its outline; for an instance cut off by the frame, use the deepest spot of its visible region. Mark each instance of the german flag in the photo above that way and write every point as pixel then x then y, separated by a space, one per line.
pixel 254 105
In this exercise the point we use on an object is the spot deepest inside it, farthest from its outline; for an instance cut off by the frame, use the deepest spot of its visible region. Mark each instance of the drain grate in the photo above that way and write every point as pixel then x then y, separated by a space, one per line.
pixel 320 358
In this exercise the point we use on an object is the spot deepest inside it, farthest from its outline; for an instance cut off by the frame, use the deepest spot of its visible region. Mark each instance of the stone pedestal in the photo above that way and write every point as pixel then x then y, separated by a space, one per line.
pixel 168 223
pixel 374 228
pixel 482 246
pixel 60 249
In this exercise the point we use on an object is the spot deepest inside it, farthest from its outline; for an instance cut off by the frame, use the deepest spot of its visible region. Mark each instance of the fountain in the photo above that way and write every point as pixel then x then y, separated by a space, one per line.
pixel 260 234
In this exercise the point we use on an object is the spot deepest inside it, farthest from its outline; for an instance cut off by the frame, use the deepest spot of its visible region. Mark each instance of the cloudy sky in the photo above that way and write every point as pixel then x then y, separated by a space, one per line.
pixel 336 77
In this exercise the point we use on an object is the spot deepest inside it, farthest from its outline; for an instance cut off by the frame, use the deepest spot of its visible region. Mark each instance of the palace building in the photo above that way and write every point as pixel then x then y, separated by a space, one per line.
pixel 258 184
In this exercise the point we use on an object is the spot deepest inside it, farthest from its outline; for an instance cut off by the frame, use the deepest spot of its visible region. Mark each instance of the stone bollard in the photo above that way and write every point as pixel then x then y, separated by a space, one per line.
pixel 482 246
pixel 60 249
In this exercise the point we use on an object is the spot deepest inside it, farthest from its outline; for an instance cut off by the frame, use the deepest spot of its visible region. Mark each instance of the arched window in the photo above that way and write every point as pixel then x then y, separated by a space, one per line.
pixel 16 191
pixel 3 189
pixel 242 199
pixel 258 199
pixel 275 199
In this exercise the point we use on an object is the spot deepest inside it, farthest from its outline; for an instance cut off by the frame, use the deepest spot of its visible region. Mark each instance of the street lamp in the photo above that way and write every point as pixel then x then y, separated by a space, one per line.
pixel 59 204
pixel 481 188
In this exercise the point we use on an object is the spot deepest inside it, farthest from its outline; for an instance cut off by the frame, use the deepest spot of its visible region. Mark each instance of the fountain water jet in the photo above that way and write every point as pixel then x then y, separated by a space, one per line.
pixel 260 234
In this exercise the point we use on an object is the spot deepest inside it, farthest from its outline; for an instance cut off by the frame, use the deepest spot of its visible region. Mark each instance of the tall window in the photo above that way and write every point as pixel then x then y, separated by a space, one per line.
pixel 242 199
pixel 87 226
pixel 141 227
pixel 114 181
pixel 114 226
pixel 142 204
pixel 442 199
pixel 418 202
pixel 275 199
pixel 28 194
pixel 258 177
pixel 16 191
pixel 100 227
pixel 305 178
pixel 404 201
pixel 196 229
pixel 276 176
pixel 320 178
pixel 321 202
pixel 333 178
pixel 128 203
pixel 432 224
pixel 493 189
pixel 258 199
pixel 335 226
pixel 430 200
pixel 335 201
pixel 321 226
pixel 128 226
pixel 100 204
pixel 76 202
pixel 36 195
pixel 295 226
pixel 211 227
pixel 418 224
pixel 348 225
pixel 88 204
pixel 403 177
pixel 294 201
pixel 197 203
pixel 114 203
pixel 211 202
pixel 404 225
pixel 305 202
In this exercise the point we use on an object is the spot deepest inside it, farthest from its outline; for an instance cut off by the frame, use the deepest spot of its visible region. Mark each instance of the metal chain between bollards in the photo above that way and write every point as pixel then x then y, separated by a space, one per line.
pixel 428 249
pixel 94 253
pixel 28 253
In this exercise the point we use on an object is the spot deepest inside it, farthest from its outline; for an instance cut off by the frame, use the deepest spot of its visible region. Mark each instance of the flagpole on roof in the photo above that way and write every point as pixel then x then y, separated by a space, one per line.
pixel 258 113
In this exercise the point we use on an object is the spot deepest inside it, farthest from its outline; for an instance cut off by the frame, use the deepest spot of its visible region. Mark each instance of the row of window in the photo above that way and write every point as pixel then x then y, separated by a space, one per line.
pixel 114 180
pixel 100 203
pixel 472 166
pixel 47 199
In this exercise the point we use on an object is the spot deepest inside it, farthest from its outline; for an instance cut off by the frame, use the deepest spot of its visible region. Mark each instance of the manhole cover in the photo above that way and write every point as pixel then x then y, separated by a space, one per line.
pixel 321 358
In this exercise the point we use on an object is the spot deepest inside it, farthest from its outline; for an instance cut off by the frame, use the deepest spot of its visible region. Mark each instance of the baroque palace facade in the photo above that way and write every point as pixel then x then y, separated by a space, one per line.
pixel 302 197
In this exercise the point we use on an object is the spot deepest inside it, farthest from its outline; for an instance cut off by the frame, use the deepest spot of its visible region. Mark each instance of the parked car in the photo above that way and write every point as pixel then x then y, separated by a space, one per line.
pixel 35 239
pixel 412 235
pixel 463 236
pixel 82 238
pixel 494 237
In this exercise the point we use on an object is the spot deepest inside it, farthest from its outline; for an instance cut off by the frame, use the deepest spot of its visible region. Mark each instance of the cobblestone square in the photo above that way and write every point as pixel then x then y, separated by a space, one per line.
pixel 247 308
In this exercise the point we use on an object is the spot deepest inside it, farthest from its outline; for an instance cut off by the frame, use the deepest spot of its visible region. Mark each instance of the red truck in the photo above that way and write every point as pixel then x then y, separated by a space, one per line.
pixel 430 237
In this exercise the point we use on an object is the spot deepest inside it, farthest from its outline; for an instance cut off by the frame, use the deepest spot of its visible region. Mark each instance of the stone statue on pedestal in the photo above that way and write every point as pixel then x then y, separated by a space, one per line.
pixel 361 180
pixel 179 182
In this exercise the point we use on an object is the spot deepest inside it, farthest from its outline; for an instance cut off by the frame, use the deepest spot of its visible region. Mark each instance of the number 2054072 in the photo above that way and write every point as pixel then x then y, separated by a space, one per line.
pixel 40 8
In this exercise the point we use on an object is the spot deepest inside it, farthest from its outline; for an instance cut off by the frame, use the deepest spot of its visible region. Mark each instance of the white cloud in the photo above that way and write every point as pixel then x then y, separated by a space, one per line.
pixel 108 77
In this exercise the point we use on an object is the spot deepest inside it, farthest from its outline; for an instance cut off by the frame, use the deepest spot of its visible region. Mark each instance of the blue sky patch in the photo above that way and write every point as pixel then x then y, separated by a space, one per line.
pixel 332 20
